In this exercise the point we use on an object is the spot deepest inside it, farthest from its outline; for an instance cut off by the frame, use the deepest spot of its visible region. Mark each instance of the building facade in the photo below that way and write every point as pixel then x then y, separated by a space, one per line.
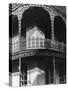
pixel 37 44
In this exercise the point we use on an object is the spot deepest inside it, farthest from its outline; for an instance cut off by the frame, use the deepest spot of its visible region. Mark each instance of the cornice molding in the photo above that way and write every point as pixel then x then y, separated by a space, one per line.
pixel 18 9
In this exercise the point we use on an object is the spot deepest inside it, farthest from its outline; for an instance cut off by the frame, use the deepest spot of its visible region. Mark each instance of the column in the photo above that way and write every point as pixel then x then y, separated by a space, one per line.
pixel 19 23
pixel 52 15
pixel 28 78
pixel 54 71
pixel 49 76
pixel 52 25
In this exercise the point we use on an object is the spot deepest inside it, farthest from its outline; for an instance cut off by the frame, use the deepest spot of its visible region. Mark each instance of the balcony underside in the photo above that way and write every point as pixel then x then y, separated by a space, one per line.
pixel 40 52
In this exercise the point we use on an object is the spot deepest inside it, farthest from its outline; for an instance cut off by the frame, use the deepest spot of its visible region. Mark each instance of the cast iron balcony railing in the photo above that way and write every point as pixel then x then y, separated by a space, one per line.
pixel 37 43
pixel 15 47
pixel 40 43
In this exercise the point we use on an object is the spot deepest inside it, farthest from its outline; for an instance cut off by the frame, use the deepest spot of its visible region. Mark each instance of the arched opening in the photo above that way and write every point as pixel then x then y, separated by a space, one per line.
pixel 36 16
pixel 38 71
pixel 13 26
pixel 36 22
pixel 60 29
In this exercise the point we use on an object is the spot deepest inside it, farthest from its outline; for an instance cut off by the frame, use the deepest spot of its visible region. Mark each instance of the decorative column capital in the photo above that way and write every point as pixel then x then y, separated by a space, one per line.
pixel 52 15
pixel 19 17
pixel 19 14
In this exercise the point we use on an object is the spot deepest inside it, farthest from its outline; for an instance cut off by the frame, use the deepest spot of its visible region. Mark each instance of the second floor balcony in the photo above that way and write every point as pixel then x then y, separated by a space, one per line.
pixel 38 43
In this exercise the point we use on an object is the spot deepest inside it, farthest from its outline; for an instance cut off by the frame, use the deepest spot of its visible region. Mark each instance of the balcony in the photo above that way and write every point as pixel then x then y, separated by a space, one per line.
pixel 39 44
pixel 45 44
